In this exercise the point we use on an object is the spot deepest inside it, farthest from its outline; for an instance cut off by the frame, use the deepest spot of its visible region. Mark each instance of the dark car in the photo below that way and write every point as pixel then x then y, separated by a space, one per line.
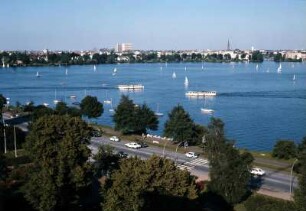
pixel 96 133
pixel 143 144
pixel 122 154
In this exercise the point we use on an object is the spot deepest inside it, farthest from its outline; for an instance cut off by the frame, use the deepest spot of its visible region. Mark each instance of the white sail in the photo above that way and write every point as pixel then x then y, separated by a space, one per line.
pixel 279 69
pixel 294 78
pixel 185 68
pixel 66 72
pixel 257 67
pixel 202 67
pixel 114 71
pixel 95 68
pixel 186 81
pixel 173 75
pixel 37 74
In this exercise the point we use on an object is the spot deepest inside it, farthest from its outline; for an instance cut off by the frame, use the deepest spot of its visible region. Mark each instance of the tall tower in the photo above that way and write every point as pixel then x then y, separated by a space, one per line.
pixel 228 45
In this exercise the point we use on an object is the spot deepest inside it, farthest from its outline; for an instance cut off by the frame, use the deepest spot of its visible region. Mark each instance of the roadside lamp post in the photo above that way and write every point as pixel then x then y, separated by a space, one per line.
pixel 4 135
pixel 291 175
pixel 166 142
pixel 176 151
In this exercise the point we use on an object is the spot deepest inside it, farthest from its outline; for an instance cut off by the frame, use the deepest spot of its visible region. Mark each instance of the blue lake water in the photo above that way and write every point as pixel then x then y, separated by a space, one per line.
pixel 257 106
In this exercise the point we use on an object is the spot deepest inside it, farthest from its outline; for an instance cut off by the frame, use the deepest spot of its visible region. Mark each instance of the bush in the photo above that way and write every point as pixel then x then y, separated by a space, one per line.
pixel 265 203
pixel 284 149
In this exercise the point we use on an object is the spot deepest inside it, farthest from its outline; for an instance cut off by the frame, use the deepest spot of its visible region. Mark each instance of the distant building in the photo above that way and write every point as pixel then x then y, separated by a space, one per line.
pixel 122 47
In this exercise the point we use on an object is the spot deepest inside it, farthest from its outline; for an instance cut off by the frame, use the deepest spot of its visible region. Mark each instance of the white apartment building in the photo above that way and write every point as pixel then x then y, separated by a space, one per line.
pixel 122 47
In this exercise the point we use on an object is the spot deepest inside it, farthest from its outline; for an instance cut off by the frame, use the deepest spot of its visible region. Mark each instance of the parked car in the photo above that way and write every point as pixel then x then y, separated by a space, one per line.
pixel 257 171
pixel 192 155
pixel 143 144
pixel 133 145
pixel 114 138
pixel 122 154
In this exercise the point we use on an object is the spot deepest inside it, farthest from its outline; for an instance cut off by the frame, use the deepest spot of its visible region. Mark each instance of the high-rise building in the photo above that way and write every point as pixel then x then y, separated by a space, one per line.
pixel 123 47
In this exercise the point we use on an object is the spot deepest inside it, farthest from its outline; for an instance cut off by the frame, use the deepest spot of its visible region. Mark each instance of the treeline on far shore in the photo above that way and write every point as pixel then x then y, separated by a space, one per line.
pixel 24 58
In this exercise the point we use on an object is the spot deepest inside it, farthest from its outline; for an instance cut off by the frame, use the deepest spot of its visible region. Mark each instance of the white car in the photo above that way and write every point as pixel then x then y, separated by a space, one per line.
pixel 257 171
pixel 133 145
pixel 191 155
pixel 114 138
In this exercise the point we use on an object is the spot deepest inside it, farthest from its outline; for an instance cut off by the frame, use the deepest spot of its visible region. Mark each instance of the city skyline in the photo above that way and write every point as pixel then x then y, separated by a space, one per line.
pixel 158 25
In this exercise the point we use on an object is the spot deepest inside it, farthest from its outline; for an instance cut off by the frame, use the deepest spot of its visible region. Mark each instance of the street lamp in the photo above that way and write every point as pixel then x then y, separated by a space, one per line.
pixel 291 175
pixel 4 135
pixel 166 142
pixel 176 151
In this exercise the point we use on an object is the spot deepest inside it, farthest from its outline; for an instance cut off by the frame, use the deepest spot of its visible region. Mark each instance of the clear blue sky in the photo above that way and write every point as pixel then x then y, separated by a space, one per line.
pixel 152 24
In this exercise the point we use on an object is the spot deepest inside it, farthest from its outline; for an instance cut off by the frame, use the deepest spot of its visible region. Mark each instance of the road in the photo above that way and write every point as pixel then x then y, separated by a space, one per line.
pixel 273 180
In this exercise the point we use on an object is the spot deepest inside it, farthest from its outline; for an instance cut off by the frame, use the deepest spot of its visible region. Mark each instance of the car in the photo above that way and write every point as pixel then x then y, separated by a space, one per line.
pixel 143 144
pixel 257 171
pixel 122 154
pixel 96 133
pixel 114 138
pixel 133 145
pixel 191 155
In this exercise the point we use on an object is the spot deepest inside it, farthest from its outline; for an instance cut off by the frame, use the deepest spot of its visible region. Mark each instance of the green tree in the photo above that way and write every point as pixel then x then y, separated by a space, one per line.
pixel 229 172
pixel 105 160
pixel 130 118
pixel 300 192
pixel 2 103
pixel 179 126
pixel 91 107
pixel 138 184
pixel 284 149
pixel 257 56
pixel 60 172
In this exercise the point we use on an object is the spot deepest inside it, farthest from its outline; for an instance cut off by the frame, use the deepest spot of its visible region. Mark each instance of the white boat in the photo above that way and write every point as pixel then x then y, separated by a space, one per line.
pixel 200 93
pixel 279 69
pixel 66 72
pixel 186 82
pixel 157 113
pixel 46 104
pixel 294 78
pixel 185 68
pixel 95 68
pixel 202 67
pixel 55 101
pixel 161 68
pixel 73 96
pixel 207 111
pixel 114 71
pixel 173 75
pixel 107 101
pixel 37 74
pixel 130 86
pixel 257 67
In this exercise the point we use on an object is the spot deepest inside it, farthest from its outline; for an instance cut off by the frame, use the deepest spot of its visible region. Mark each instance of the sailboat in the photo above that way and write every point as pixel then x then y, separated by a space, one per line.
pixel 107 101
pixel 157 113
pixel 55 101
pixel 186 83
pixel 173 75
pixel 37 74
pixel 206 110
pixel 95 68
pixel 66 72
pixel 279 69
pixel 111 110
pixel 257 67
pixel 185 68
pixel 114 71
pixel 202 67
pixel 161 68
pixel 294 78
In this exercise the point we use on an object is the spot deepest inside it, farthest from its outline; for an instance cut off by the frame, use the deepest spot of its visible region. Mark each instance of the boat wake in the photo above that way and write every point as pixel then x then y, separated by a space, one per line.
pixel 300 94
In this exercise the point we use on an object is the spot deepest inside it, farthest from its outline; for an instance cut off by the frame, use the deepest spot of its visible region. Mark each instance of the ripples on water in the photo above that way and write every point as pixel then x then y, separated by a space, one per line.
pixel 258 107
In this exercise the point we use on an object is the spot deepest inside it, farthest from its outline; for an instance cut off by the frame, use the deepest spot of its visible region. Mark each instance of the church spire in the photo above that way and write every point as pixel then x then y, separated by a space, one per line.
pixel 228 45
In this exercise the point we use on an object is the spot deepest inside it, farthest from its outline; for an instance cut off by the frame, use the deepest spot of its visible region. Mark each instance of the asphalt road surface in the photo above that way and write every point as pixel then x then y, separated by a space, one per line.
pixel 272 180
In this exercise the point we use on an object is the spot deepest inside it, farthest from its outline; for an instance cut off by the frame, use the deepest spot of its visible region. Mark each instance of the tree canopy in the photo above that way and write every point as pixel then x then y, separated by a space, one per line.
pixel 149 185
pixel 284 149
pixel 91 107
pixel 229 170
pixel 181 127
pixel 58 148
pixel 131 118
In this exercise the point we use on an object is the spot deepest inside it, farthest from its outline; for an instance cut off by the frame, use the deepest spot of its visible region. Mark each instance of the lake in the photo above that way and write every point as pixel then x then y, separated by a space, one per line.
pixel 257 105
